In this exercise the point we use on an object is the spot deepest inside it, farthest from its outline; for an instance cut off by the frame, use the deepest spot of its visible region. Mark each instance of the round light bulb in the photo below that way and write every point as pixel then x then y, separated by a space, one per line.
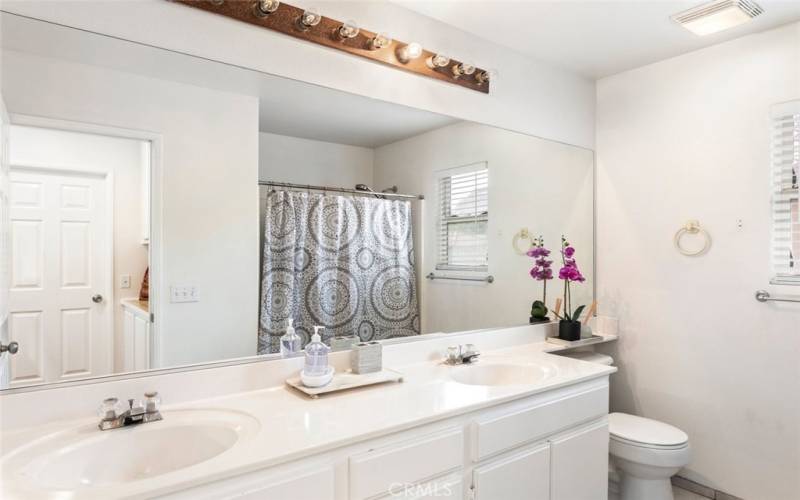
pixel 414 50
pixel 263 8
pixel 310 18
pixel 381 40
pixel 408 52
pixel 348 30
pixel 463 69
pixel 438 61
pixel 486 76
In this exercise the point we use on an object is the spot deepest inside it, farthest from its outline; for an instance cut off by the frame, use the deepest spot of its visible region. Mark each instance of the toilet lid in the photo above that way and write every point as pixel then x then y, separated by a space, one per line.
pixel 644 431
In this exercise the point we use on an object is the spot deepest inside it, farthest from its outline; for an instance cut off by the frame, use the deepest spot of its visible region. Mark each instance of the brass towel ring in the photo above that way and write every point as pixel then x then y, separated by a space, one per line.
pixel 692 227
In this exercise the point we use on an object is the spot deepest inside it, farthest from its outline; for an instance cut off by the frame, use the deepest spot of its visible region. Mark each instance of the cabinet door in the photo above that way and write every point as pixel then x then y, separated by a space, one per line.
pixel 579 464
pixel 525 475
pixel 141 343
pixel 128 341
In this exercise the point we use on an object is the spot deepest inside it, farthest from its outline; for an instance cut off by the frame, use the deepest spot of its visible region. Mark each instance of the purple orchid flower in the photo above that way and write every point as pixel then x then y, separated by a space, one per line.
pixel 569 272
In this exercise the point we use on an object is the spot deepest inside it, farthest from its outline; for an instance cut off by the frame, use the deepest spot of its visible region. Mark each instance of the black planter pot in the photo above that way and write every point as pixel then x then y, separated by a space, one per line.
pixel 539 320
pixel 569 330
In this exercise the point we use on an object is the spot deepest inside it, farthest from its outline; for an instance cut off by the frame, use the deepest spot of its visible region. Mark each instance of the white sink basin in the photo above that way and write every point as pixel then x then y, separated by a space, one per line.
pixel 501 374
pixel 85 457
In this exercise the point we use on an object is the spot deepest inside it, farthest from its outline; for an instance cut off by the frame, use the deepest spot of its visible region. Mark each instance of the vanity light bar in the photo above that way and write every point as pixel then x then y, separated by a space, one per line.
pixel 346 36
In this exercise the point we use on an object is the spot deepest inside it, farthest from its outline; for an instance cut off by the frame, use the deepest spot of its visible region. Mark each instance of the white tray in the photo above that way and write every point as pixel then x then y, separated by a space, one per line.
pixel 346 380
pixel 594 339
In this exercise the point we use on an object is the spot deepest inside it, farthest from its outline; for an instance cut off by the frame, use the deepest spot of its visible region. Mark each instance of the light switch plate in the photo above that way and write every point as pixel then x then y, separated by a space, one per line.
pixel 184 293
pixel 125 281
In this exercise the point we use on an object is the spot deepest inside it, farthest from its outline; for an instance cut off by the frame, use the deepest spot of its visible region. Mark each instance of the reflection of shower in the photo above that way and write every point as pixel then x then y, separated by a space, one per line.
pixel 367 189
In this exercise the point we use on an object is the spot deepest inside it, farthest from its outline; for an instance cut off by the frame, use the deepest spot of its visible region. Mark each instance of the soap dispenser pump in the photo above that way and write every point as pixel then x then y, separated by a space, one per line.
pixel 316 372
pixel 290 341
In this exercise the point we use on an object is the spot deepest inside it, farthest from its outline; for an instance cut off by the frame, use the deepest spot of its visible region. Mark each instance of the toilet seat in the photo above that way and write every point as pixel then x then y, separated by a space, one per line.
pixel 644 432
pixel 647 442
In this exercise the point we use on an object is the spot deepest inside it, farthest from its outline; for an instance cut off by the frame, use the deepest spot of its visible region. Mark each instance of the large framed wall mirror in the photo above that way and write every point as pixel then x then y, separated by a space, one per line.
pixel 164 211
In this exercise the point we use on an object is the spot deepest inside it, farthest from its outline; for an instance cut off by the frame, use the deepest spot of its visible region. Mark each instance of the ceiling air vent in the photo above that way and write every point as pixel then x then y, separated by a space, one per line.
pixel 717 16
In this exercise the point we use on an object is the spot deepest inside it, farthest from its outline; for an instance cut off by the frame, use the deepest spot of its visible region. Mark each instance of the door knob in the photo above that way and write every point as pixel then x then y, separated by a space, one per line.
pixel 97 298
pixel 12 347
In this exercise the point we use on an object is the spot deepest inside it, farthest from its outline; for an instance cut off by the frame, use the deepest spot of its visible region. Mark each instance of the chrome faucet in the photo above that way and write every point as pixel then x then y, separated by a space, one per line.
pixel 114 414
pixel 462 354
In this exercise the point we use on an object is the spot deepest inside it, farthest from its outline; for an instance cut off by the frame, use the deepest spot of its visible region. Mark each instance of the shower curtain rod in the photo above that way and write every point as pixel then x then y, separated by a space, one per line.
pixel 339 190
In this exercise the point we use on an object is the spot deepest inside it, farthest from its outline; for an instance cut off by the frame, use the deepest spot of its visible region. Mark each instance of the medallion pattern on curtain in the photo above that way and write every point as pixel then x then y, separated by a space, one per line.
pixel 346 263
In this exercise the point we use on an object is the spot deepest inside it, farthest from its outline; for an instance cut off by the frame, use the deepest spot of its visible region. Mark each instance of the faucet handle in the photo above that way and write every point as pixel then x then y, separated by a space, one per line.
pixel 152 402
pixel 111 409
pixel 453 354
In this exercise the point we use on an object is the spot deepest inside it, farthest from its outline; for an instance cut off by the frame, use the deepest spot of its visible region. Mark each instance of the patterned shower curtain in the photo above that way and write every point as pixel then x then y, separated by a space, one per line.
pixel 346 263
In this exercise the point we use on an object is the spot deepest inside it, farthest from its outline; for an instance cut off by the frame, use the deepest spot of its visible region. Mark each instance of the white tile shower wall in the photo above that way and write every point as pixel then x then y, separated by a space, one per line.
pixel 528 96
pixel 209 177
pixel 688 138
pixel 521 194
pixel 32 146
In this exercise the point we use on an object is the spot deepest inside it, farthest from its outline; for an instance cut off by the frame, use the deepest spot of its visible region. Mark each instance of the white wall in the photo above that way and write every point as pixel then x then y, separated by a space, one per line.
pixel 542 185
pixel 528 96
pixel 688 138
pixel 37 147
pixel 209 180
pixel 305 161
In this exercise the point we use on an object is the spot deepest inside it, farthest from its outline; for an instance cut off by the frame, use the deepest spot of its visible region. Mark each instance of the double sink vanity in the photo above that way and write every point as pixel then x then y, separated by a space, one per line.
pixel 251 210
pixel 519 419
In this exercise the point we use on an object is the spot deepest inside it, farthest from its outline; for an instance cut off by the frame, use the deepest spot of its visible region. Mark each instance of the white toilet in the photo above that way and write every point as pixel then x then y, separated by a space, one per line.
pixel 646 453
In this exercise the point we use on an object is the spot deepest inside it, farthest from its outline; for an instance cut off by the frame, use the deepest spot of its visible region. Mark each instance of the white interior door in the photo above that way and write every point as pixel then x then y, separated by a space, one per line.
pixel 60 310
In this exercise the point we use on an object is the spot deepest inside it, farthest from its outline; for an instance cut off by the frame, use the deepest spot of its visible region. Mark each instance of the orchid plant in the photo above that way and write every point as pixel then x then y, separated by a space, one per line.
pixel 569 272
pixel 541 271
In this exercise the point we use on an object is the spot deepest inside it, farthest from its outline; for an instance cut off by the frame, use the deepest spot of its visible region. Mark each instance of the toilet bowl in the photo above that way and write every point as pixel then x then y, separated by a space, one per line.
pixel 645 453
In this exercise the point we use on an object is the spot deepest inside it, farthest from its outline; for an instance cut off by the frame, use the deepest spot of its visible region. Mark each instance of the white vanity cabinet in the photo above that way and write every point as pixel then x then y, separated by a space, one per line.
pixel 523 474
pixel 579 464
pixel 549 446
pixel 136 335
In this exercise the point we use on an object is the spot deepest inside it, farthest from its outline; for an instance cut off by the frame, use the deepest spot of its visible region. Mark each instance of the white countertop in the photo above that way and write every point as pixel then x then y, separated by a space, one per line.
pixel 140 307
pixel 292 426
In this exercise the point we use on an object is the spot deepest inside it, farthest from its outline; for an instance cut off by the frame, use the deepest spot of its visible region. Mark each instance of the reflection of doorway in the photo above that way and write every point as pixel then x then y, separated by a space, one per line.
pixel 120 160
pixel 60 274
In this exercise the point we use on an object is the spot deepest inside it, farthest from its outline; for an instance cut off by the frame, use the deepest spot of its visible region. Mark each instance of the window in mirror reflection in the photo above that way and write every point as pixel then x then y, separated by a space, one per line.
pixel 463 243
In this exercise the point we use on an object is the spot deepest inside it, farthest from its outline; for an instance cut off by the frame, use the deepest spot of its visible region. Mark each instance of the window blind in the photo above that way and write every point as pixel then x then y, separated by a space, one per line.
pixel 785 195
pixel 462 239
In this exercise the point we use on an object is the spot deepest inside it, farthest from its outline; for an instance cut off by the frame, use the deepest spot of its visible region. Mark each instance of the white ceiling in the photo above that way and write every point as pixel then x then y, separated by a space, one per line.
pixel 594 38
pixel 286 107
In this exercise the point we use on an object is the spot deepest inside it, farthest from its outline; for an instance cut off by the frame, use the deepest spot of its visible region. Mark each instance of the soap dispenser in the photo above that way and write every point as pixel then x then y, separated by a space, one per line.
pixel 290 341
pixel 316 372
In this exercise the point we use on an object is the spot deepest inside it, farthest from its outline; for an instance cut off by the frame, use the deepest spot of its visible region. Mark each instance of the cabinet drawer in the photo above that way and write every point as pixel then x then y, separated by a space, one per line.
pixel 304 483
pixel 384 469
pixel 501 432
pixel 444 488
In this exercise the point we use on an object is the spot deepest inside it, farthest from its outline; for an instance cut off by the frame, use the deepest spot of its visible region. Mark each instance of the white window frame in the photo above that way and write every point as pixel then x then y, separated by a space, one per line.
pixel 785 119
pixel 458 270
